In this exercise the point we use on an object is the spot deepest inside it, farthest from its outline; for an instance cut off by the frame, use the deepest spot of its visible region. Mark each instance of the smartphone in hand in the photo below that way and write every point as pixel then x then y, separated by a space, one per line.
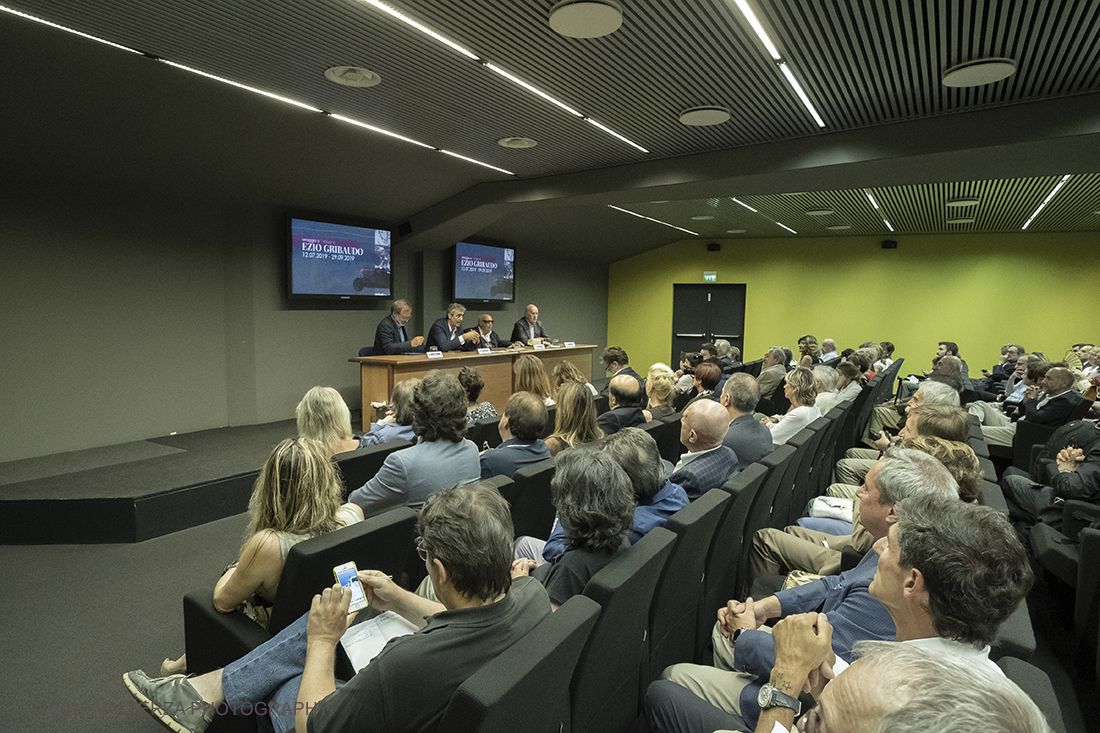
pixel 347 575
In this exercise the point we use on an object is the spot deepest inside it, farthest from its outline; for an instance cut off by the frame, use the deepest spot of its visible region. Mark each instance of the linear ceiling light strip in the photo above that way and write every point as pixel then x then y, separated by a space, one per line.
pixel 744 204
pixel 1046 200
pixel 493 67
pixel 648 218
pixel 245 87
pixel 763 36
pixel 69 30
pixel 875 204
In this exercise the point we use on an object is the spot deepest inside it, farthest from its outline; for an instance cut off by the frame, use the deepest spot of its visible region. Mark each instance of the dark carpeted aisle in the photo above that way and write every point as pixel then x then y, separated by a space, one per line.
pixel 73 618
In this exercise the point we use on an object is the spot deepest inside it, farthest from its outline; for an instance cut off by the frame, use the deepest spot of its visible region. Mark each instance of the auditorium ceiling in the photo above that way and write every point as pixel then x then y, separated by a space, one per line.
pixel 886 150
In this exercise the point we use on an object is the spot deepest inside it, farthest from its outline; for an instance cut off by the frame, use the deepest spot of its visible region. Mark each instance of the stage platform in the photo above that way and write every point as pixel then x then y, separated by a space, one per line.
pixel 135 491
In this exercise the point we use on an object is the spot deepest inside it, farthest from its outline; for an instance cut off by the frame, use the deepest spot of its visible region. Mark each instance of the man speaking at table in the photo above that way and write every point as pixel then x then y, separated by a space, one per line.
pixel 390 336
pixel 528 330
pixel 446 333
pixel 486 336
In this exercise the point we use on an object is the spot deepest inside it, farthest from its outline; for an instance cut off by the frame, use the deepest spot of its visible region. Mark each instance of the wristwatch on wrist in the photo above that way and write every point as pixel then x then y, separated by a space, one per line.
pixel 770 697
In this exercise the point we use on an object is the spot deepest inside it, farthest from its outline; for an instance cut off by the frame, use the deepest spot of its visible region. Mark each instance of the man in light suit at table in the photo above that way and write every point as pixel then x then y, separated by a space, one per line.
pixel 390 337
pixel 447 334
pixel 441 458
pixel 486 336
pixel 528 330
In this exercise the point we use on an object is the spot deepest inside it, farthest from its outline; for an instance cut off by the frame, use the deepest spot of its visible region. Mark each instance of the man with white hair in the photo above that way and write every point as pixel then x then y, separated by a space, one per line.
pixel 828 352
pixel 947 573
pixel 744 655
pixel 772 370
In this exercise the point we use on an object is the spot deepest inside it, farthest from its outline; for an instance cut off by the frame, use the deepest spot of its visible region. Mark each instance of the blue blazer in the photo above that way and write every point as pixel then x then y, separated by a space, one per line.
pixel 440 337
pixel 749 440
pixel 382 432
pixel 408 477
pixel 510 456
pixel 708 471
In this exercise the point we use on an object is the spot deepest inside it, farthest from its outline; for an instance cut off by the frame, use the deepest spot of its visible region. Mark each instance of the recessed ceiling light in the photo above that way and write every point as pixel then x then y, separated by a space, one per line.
pixel 838 227
pixel 703 116
pixel 742 231
pixel 795 193
pixel 516 142
pixel 352 76
pixel 663 201
pixel 962 201
pixel 961 220
pixel 586 18
pixel 701 218
pixel 819 212
pixel 978 72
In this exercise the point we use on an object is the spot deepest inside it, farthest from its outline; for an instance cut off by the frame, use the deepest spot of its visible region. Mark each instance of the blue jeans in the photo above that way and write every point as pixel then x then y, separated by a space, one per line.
pixel 271 674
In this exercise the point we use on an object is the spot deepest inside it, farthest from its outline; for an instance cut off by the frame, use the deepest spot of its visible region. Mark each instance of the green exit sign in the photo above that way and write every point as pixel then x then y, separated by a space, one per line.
pixel 710 277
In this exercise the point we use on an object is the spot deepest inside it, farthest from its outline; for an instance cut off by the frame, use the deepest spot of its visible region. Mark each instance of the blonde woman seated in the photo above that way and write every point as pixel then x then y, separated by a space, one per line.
pixel 531 377
pixel 397 424
pixel 660 388
pixel 324 416
pixel 826 378
pixel 800 388
pixel 296 496
pixel 575 421
pixel 568 372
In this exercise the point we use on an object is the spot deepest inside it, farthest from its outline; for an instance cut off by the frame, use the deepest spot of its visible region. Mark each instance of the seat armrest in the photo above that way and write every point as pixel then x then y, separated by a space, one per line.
pixel 214 639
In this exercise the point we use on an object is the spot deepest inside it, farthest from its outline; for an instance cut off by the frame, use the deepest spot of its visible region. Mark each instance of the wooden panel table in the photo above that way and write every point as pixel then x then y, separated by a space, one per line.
pixel 379 374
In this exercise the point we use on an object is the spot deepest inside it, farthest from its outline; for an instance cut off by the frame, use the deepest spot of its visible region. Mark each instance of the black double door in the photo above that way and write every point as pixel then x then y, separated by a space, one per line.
pixel 702 313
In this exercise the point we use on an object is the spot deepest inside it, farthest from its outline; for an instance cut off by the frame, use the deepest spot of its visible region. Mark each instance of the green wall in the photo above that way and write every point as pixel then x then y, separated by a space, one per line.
pixel 979 290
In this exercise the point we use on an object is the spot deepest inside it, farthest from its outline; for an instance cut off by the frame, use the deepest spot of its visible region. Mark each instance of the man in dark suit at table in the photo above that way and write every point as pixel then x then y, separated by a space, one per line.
pixel 446 333
pixel 486 336
pixel 524 418
pixel 390 337
pixel 528 330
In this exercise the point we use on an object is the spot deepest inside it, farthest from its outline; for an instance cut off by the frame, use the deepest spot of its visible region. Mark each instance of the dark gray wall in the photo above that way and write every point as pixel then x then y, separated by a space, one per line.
pixel 127 314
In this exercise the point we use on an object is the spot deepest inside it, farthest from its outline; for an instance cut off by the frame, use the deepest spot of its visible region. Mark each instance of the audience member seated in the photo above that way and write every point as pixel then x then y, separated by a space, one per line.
pixel 656 498
pixel 939 421
pixel 950 348
pixel 809 353
pixel 746 437
pixel 862 361
pixel 886 415
pixel 745 655
pixel 800 388
pixel 324 416
pixel 728 355
pixel 872 352
pixel 685 375
pixel 440 458
pixel 466 543
pixel 850 381
pixel 1078 478
pixel 531 377
pixel 814 547
pixel 826 379
pixel 706 378
pixel 625 401
pixel 828 352
pixel 524 418
pixel 471 381
pixel 993 379
pixel 575 419
pixel 660 389
pixel 707 463
pixel 1051 403
pixel 567 371
pixel 446 333
pixel 595 504
pixel 773 367
pixel 948 575
pixel 296 496
pixel 397 424
pixel 886 356
pixel 616 363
